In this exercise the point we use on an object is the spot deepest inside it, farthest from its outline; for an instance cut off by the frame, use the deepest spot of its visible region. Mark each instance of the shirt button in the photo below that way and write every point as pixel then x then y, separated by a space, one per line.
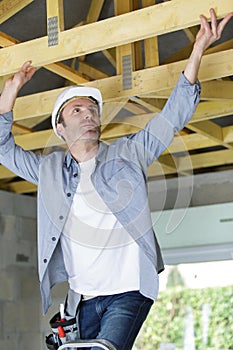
pixel 53 238
pixel 68 194
pixel 61 217
pixel 45 260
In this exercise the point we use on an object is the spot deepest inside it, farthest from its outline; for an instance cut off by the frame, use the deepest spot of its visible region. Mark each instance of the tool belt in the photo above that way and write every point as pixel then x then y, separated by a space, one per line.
pixel 63 330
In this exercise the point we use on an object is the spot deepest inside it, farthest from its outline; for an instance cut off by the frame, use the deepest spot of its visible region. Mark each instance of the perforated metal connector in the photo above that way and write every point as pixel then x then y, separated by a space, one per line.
pixel 53 31
pixel 127 72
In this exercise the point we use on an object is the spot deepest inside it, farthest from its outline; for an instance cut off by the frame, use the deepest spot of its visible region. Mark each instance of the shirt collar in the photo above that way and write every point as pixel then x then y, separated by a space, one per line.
pixel 68 159
pixel 101 151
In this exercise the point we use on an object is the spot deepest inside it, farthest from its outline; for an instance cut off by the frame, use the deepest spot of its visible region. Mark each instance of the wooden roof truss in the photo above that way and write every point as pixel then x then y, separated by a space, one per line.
pixel 141 85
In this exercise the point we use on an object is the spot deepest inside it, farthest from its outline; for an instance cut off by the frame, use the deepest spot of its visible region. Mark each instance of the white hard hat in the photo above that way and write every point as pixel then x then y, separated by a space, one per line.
pixel 70 93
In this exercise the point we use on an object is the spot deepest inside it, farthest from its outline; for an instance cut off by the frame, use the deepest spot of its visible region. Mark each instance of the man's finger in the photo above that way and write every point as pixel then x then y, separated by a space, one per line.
pixel 214 25
pixel 205 24
pixel 30 71
pixel 25 66
pixel 223 22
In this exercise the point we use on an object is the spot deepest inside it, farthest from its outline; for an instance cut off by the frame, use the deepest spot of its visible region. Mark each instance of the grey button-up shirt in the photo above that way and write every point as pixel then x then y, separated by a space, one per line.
pixel 119 177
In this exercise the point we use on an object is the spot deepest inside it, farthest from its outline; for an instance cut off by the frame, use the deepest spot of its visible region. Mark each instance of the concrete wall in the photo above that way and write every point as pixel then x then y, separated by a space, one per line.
pixel 22 325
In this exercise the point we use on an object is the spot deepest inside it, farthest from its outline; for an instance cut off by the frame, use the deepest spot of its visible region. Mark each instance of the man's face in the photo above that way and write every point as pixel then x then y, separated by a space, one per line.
pixel 80 121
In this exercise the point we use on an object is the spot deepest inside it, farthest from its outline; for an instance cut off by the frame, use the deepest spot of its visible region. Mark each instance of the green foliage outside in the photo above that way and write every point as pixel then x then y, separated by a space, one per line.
pixel 166 321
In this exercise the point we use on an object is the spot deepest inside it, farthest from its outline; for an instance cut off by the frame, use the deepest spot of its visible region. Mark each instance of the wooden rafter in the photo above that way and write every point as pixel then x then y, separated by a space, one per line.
pixel 55 9
pixel 211 90
pixel 151 45
pixel 213 66
pixel 9 8
pixel 169 18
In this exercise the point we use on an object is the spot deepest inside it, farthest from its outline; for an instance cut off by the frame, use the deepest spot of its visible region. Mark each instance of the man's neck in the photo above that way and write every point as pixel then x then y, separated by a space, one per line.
pixel 83 151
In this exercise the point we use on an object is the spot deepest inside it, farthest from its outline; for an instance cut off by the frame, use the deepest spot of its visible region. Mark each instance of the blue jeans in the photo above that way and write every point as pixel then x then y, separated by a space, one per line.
pixel 116 318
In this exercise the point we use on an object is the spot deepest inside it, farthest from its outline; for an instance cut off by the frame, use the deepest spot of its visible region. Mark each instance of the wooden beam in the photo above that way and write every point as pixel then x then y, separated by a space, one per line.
pixel 191 33
pixel 93 15
pixel 210 90
pixel 193 162
pixel 145 81
pixel 7 40
pixel 145 104
pixel 32 122
pixel 226 45
pixel 90 71
pixel 19 129
pixel 9 8
pixel 19 187
pixel 110 54
pixel 54 9
pixel 135 108
pixel 228 134
pixel 119 30
pixel 185 51
pixel 67 73
pixel 5 173
pixel 150 45
pixel 138 45
pixel 208 159
pixel 217 90
pixel 38 140
pixel 123 7
pixel 210 130
pixel 57 68
pixel 212 109
pixel 129 125
pixel 126 126
pixel 190 142
pixel 94 11
pixel 110 110
pixel 213 66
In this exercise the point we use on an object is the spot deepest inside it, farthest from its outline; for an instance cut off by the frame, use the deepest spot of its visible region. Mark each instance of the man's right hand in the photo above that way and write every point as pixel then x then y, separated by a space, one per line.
pixel 13 85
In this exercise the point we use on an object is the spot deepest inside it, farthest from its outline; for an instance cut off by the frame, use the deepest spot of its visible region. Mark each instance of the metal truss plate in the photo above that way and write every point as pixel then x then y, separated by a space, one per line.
pixel 53 31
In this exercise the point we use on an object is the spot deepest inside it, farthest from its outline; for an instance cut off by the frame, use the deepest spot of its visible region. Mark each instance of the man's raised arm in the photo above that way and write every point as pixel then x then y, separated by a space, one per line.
pixel 206 36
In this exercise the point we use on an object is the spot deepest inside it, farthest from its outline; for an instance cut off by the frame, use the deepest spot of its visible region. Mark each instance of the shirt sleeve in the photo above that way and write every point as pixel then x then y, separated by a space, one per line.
pixel 22 163
pixel 159 132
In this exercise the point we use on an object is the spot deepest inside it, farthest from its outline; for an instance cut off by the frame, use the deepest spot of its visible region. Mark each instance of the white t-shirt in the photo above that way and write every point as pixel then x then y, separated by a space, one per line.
pixel 100 256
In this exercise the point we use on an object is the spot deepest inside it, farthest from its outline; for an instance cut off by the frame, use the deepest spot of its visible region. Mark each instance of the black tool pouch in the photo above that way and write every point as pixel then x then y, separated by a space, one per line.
pixel 69 331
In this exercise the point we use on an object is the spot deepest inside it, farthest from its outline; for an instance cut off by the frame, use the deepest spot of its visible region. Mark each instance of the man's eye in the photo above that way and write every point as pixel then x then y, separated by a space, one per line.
pixel 77 110
pixel 94 110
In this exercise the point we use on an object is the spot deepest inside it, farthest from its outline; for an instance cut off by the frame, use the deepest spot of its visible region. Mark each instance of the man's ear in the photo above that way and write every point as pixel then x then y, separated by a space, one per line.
pixel 59 128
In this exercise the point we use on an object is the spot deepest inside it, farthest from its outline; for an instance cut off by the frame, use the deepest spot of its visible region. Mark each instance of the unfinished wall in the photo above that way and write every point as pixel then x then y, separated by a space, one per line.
pixel 23 327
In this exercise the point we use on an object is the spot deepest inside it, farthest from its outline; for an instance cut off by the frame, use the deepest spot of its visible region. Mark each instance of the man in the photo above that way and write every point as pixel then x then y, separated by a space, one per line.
pixel 94 224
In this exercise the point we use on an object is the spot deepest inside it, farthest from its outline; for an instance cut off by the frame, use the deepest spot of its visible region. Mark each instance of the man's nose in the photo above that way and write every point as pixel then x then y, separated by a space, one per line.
pixel 87 114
